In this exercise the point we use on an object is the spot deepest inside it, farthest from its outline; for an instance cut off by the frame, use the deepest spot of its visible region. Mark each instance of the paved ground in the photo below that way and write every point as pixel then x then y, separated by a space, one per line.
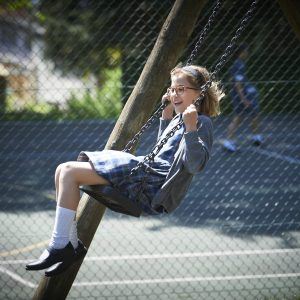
pixel 236 236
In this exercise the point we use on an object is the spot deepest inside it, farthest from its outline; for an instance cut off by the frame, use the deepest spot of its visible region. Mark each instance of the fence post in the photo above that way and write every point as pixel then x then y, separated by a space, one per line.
pixel 169 46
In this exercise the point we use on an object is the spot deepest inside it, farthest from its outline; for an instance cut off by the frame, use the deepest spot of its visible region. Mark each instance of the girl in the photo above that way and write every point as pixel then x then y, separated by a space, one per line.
pixel 165 181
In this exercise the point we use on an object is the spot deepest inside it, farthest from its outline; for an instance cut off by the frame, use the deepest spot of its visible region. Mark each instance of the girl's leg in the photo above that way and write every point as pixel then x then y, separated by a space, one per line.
pixel 255 125
pixel 71 176
pixel 233 126
pixel 56 180
pixel 68 177
pixel 73 236
pixel 81 171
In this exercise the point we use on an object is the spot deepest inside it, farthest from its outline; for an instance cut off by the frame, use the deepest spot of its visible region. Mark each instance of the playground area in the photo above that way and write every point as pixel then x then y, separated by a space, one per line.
pixel 77 76
pixel 218 244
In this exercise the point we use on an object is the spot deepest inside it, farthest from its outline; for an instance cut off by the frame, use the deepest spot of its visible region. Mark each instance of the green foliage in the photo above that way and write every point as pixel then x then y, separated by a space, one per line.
pixel 15 4
pixel 82 36
pixel 31 111
pixel 101 103
pixel 104 103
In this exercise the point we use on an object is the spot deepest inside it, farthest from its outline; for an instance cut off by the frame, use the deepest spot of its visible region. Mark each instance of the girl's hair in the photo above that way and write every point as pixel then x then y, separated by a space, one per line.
pixel 198 76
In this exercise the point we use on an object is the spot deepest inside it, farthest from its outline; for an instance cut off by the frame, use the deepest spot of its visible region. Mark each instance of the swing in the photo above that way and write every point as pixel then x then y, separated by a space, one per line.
pixel 112 197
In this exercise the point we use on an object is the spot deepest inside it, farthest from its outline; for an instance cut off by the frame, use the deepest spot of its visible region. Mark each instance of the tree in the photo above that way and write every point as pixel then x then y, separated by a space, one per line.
pixel 85 37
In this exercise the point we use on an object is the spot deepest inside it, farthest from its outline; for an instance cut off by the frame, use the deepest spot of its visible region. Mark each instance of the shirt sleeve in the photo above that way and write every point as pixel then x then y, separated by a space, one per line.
pixel 198 145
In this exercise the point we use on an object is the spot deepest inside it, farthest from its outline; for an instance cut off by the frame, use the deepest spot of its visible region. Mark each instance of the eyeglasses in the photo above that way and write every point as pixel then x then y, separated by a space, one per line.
pixel 179 90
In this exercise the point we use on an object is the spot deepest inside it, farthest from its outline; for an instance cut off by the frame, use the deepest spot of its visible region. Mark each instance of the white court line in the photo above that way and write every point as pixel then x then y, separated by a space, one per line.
pixel 185 279
pixel 194 255
pixel 273 154
pixel 17 278
pixel 24 249
pixel 173 255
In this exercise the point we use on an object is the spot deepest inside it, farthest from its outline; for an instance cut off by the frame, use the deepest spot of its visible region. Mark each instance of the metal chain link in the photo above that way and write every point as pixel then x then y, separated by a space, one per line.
pixel 136 137
pixel 251 200
pixel 203 33
pixel 195 51
pixel 155 150
pixel 221 62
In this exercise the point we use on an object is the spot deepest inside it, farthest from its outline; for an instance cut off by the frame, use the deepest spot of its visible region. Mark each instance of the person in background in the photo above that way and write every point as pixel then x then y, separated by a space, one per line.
pixel 245 102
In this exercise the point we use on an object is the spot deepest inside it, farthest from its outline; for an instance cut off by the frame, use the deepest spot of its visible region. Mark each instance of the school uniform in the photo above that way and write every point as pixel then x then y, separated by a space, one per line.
pixel 184 153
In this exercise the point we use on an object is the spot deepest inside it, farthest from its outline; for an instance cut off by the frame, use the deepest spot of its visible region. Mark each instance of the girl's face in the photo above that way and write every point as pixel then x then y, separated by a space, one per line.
pixel 182 93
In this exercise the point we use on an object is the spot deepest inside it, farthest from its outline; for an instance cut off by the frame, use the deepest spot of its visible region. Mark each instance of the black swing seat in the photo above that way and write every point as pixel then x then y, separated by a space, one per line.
pixel 113 199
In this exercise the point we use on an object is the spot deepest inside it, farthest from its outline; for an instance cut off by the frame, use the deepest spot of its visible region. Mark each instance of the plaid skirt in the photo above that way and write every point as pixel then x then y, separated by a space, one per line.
pixel 115 166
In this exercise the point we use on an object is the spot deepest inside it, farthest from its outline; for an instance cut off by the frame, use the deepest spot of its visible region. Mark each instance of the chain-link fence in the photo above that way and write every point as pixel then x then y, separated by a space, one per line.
pixel 66 69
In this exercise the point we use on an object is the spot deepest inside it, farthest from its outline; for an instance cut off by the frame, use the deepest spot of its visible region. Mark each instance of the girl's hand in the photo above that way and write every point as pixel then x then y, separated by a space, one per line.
pixel 168 112
pixel 190 118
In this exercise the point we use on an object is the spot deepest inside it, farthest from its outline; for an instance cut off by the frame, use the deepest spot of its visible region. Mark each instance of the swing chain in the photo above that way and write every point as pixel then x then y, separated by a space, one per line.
pixel 220 64
pixel 137 136
pixel 155 150
pixel 203 33
pixel 195 51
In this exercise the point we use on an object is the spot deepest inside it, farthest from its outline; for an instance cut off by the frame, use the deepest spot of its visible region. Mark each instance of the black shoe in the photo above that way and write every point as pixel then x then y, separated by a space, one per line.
pixel 257 140
pixel 80 252
pixel 54 256
pixel 257 143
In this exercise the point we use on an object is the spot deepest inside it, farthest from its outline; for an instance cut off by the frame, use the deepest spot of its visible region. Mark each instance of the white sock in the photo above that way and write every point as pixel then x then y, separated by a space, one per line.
pixel 257 137
pixel 63 221
pixel 74 235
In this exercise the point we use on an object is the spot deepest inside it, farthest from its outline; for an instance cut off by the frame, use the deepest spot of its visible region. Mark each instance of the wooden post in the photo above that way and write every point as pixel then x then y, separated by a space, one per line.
pixel 291 10
pixel 169 46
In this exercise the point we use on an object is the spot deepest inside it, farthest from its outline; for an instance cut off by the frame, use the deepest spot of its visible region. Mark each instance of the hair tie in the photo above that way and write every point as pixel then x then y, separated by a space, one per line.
pixel 191 70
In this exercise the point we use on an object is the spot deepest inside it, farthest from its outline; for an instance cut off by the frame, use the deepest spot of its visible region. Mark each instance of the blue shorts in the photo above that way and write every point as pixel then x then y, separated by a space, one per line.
pixel 252 95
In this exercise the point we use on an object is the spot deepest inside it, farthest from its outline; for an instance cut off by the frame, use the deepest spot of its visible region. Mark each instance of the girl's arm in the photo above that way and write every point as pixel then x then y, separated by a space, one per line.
pixel 198 145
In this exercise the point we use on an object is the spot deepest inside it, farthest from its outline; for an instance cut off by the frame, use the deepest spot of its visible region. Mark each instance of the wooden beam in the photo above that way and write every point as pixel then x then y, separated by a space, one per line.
pixel 170 44
pixel 291 10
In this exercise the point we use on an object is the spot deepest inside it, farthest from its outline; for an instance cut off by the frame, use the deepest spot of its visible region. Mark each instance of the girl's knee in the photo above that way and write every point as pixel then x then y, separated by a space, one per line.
pixel 79 173
pixel 66 171
pixel 57 171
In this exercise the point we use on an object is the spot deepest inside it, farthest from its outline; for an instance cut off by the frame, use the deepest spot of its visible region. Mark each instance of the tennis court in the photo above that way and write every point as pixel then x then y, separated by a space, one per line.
pixel 231 238
pixel 66 71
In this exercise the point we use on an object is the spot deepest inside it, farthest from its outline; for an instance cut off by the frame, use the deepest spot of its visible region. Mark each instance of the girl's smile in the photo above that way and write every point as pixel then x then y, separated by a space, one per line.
pixel 182 93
